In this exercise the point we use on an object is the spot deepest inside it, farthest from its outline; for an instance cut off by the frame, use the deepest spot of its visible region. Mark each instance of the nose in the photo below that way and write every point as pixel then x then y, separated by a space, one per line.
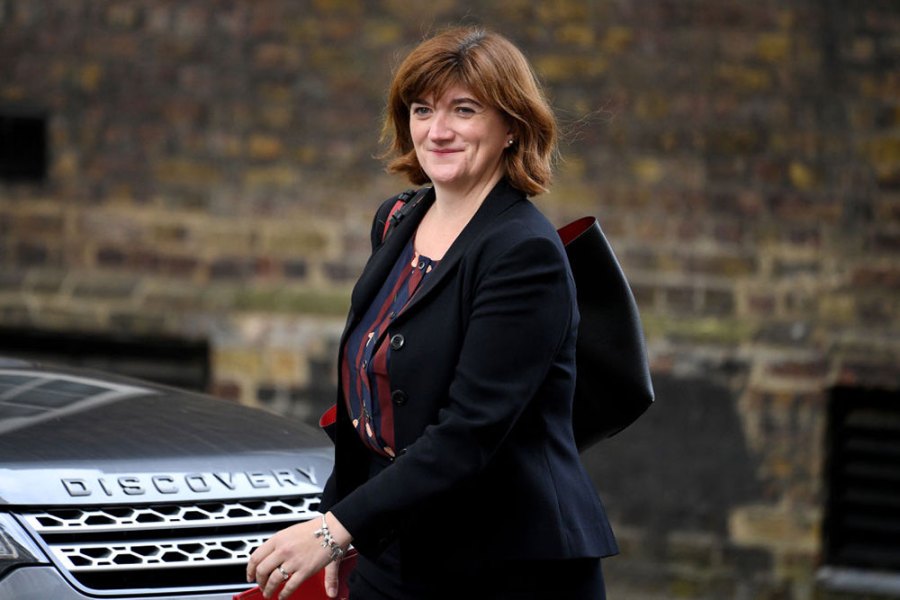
pixel 440 127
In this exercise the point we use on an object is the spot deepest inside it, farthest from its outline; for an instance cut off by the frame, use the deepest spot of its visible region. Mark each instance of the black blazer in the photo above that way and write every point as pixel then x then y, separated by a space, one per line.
pixel 482 372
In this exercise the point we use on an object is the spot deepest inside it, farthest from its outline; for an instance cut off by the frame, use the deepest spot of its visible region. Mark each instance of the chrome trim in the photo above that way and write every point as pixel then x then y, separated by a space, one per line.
pixel 157 554
pixel 171 516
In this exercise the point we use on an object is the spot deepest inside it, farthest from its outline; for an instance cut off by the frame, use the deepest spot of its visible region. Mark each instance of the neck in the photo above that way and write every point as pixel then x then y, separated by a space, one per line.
pixel 448 215
pixel 463 201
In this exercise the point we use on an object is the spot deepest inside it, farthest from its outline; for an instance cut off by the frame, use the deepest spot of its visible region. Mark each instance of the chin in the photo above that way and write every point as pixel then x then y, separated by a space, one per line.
pixel 444 178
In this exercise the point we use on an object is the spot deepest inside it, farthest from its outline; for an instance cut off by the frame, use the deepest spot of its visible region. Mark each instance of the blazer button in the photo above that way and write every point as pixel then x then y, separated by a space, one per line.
pixel 397 342
pixel 399 397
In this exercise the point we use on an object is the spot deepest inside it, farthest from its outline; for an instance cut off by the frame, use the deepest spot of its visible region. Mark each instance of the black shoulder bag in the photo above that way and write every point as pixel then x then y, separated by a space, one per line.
pixel 612 386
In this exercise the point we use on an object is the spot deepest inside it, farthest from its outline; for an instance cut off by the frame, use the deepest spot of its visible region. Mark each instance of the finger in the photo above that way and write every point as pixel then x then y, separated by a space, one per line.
pixel 274 583
pixel 256 557
pixel 331 579
pixel 268 577
pixel 295 581
pixel 251 566
pixel 290 586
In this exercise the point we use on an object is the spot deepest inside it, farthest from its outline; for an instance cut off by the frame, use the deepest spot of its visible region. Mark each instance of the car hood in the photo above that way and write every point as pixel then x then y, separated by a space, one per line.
pixel 69 437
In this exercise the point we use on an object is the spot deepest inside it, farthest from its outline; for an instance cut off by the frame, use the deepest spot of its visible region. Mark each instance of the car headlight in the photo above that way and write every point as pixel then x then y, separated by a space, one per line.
pixel 16 547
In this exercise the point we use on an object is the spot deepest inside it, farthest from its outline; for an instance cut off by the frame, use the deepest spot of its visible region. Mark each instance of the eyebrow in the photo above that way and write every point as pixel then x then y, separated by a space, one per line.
pixel 454 102
pixel 465 100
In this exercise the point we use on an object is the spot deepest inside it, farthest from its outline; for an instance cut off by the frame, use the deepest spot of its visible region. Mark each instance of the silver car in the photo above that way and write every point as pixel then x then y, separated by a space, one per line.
pixel 123 489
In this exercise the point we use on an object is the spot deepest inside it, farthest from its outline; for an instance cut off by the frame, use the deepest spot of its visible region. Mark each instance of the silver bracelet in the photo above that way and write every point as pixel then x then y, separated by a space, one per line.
pixel 337 553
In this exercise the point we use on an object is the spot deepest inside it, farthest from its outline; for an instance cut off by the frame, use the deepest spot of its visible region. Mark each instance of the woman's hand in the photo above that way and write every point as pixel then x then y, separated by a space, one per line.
pixel 299 553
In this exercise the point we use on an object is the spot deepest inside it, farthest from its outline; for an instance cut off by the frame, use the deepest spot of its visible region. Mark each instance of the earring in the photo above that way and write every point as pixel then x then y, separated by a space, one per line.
pixel 510 142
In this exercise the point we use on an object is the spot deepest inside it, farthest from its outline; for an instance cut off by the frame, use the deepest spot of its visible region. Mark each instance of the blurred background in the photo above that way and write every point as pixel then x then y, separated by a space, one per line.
pixel 186 190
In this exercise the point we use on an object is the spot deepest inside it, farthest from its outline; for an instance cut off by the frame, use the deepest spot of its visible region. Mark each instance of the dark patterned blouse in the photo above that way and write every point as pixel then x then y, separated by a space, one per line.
pixel 364 372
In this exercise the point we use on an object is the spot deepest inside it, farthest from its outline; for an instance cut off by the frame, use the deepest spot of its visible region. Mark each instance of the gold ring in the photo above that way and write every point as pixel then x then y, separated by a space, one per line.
pixel 284 573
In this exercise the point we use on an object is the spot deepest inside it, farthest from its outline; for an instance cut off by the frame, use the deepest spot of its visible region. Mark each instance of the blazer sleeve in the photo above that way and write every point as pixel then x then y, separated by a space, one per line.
pixel 522 311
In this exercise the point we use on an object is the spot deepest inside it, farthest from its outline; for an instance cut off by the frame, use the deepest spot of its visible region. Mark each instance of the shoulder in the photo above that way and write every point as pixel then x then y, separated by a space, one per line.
pixel 521 225
pixel 518 245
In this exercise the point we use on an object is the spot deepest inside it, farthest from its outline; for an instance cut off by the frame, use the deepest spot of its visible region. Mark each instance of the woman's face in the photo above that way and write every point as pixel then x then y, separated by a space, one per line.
pixel 458 140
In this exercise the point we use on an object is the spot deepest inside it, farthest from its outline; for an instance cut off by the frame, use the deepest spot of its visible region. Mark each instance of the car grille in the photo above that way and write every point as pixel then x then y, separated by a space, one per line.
pixel 171 547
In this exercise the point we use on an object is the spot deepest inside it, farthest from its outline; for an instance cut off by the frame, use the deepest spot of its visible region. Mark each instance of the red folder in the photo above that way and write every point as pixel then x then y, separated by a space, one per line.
pixel 314 587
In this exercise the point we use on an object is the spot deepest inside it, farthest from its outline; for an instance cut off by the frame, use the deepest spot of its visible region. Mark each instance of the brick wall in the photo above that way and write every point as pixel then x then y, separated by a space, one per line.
pixel 211 177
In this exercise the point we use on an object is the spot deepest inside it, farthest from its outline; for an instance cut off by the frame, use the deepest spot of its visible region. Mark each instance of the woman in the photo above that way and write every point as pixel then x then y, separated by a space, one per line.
pixel 456 473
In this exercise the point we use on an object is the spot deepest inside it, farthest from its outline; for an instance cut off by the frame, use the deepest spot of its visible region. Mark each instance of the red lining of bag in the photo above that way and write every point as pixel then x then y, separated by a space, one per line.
pixel 574 229
pixel 329 417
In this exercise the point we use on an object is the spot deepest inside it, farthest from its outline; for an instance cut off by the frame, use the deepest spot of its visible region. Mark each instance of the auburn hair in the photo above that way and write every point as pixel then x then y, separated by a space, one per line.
pixel 497 73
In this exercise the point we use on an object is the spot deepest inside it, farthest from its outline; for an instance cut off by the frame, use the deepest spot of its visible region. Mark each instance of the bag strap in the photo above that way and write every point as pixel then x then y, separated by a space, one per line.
pixel 405 204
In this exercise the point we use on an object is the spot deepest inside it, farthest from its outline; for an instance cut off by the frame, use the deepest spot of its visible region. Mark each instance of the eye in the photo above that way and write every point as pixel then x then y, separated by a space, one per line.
pixel 419 110
pixel 465 110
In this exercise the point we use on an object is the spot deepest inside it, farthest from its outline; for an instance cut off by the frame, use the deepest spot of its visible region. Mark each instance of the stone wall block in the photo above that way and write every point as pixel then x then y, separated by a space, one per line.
pixel 110 289
pixel 35 254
